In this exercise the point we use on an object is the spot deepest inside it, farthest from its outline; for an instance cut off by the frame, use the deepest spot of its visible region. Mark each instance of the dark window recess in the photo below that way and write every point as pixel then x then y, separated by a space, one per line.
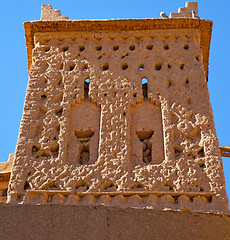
pixel 145 88
pixel 86 88
pixel 4 193
pixel 144 137
pixel 84 138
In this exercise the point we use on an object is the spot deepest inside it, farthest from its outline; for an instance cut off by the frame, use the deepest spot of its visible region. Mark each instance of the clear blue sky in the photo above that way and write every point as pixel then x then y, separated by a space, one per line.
pixel 13 61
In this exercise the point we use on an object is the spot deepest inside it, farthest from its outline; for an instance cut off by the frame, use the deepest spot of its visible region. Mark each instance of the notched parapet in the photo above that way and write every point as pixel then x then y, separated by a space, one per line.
pixel 187 11
pixel 49 14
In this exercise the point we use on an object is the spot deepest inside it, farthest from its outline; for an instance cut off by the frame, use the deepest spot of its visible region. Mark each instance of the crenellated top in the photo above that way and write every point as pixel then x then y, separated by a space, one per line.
pixel 52 21
pixel 189 11
pixel 49 14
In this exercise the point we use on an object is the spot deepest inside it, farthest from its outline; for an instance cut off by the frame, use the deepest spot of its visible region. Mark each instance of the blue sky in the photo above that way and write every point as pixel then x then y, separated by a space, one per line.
pixel 13 61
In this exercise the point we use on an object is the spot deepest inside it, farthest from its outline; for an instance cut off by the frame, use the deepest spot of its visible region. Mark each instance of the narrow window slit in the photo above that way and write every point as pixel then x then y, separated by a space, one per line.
pixel 145 88
pixel 86 88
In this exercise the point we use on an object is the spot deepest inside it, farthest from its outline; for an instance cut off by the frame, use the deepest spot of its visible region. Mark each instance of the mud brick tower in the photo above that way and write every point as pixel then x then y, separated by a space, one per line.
pixel 117 112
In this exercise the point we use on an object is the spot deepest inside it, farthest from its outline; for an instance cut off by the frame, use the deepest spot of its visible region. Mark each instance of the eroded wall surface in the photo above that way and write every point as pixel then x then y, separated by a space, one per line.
pixel 88 223
pixel 119 117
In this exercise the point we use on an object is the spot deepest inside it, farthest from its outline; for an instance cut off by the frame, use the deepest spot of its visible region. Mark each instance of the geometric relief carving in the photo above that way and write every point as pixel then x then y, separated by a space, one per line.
pixel 83 133
pixel 64 138
pixel 186 134
pixel 147 134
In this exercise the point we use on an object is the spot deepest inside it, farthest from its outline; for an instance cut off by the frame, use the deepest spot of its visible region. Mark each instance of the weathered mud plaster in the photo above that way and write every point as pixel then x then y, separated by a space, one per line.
pixel 117 112
pixel 5 172
pixel 186 12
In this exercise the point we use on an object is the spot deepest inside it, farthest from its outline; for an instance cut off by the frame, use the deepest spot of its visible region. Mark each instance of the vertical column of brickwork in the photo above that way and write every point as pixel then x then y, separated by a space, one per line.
pixel 115 118
pixel 193 131
pixel 40 127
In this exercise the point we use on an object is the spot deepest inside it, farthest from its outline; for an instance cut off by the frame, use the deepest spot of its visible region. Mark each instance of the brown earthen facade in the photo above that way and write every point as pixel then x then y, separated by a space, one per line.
pixel 117 112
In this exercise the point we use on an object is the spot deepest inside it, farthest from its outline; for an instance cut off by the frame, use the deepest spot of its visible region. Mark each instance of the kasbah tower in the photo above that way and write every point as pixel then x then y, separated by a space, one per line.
pixel 117 138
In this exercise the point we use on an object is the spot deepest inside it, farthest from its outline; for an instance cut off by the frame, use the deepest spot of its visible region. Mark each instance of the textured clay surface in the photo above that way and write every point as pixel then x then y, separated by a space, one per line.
pixel 118 118
pixel 5 172
pixel 89 223
pixel 186 12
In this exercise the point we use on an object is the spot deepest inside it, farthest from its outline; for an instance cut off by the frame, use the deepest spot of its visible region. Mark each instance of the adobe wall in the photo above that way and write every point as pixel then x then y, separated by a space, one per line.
pixel 117 112
pixel 90 223
pixel 5 172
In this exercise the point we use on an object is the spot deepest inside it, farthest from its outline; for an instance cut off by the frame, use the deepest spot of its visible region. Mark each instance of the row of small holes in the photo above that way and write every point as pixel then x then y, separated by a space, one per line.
pixel 124 66
pixel 66 48
pixel 116 47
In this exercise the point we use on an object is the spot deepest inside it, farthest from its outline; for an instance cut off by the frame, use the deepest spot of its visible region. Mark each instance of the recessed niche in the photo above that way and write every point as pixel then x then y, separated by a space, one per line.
pixel 144 137
pixel 149 47
pixel 115 47
pixel 98 48
pixel 186 46
pixel 84 138
pixel 81 48
pixel 124 66
pixel 132 47
pixel 105 66
pixel 158 66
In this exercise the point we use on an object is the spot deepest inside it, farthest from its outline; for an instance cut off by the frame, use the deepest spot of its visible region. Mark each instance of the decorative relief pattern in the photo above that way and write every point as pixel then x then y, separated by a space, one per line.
pixel 118 113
